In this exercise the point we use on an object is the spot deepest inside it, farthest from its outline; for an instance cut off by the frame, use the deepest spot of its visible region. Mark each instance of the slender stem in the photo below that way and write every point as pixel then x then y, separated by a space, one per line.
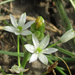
pixel 18 51
pixel 66 52
pixel 73 3
pixel 54 58
pixel 25 59
pixel 57 68
pixel 22 43
pixel 63 15
pixel 65 20
pixel 55 44
pixel 3 71
pixel 26 54
pixel 63 50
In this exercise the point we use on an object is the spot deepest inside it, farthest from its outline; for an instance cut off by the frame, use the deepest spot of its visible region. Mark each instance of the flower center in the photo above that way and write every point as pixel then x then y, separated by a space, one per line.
pixel 39 50
pixel 20 28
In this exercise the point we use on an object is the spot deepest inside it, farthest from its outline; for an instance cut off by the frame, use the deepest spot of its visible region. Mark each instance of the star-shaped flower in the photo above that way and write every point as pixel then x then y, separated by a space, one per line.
pixel 39 49
pixel 19 28
pixel 17 69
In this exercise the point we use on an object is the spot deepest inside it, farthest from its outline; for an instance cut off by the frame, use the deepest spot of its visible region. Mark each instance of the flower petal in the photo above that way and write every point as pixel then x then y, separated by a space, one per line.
pixel 17 33
pixel 13 21
pixel 28 24
pixel 9 28
pixel 33 57
pixel 15 68
pixel 35 41
pixel 26 32
pixel 22 19
pixel 23 70
pixel 44 42
pixel 67 36
pixel 43 59
pixel 17 71
pixel 49 50
pixel 29 48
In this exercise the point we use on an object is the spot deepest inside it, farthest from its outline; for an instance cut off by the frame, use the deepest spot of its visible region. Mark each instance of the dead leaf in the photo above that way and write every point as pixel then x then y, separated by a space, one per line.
pixel 52 66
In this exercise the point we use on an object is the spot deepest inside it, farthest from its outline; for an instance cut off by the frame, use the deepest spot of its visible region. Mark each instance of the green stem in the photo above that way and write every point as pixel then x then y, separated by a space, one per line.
pixel 22 43
pixel 66 52
pixel 25 59
pixel 64 18
pixel 55 44
pixel 73 3
pixel 58 68
pixel 3 71
pixel 63 15
pixel 26 54
pixel 18 51
pixel 54 58
pixel 62 50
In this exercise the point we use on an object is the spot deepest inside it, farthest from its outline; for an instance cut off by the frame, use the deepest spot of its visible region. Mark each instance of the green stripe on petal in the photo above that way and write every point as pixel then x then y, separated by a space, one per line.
pixel 35 41
pixel 43 59
pixel 22 19
pixel 44 42
pixel 49 50
pixel 9 28
pixel 13 21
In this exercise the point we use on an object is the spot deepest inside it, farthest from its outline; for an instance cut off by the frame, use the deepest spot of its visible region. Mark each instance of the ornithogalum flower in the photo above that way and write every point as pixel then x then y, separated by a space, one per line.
pixel 39 49
pixel 19 28
pixel 17 69
pixel 67 36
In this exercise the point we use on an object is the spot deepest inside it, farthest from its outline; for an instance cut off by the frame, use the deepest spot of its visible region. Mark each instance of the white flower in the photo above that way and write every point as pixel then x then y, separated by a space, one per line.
pixel 19 27
pixel 67 36
pixel 17 69
pixel 39 49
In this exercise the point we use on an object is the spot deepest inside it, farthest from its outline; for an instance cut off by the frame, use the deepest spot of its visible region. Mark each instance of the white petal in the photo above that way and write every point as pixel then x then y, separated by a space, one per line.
pixel 23 70
pixel 9 28
pixel 43 59
pixel 67 36
pixel 22 19
pixel 29 48
pixel 44 42
pixel 17 71
pixel 26 32
pixel 33 58
pixel 17 33
pixel 49 50
pixel 13 21
pixel 35 41
pixel 28 24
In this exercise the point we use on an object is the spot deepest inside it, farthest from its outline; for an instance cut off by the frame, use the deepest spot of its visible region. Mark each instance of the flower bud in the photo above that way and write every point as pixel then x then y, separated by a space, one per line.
pixel 33 28
pixel 41 36
pixel 37 33
pixel 67 36
pixel 42 28
pixel 39 21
